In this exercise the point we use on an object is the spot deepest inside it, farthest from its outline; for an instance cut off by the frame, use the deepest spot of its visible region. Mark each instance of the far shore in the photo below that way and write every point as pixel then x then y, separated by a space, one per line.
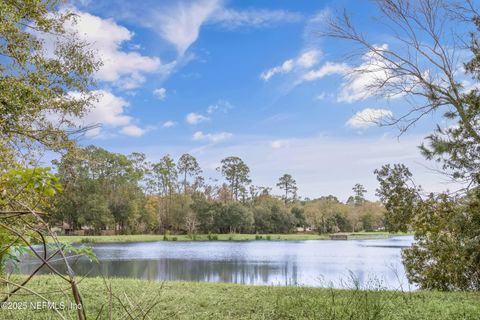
pixel 224 237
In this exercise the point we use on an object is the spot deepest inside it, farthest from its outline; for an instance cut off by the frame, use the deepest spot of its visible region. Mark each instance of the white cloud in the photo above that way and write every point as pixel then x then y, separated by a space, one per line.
pixel 160 93
pixel 169 124
pixel 180 23
pixel 211 137
pixel 253 17
pixel 373 70
pixel 108 110
pixel 220 105
pixel 106 37
pixel 195 118
pixel 285 67
pixel 360 82
pixel 321 96
pixel 469 86
pixel 328 68
pixel 308 59
pixel 277 144
pixel 305 60
pixel 133 131
pixel 368 117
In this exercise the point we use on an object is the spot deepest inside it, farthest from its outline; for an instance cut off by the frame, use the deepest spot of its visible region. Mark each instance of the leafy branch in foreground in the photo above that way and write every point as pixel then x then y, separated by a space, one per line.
pixel 446 254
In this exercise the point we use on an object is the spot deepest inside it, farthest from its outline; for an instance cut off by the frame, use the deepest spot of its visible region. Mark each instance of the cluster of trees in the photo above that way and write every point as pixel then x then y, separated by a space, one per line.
pixel 128 194
pixel 329 215
pixel 37 114
pixel 434 62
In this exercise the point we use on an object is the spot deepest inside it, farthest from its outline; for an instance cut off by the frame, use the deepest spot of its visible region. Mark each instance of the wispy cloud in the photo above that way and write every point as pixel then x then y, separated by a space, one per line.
pixel 220 105
pixel 373 71
pixel 195 118
pixel 160 93
pixel 133 130
pixel 169 124
pixel 180 22
pixel 327 69
pixel 231 19
pixel 368 117
pixel 211 137
pixel 277 144
pixel 305 60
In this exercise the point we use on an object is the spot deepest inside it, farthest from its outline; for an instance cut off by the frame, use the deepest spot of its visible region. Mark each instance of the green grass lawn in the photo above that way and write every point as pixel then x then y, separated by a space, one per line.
pixel 189 300
pixel 220 237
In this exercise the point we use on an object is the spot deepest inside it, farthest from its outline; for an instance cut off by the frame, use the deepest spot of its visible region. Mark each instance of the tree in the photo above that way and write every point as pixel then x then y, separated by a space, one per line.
pixel 191 222
pixel 359 195
pixel 35 84
pixel 101 189
pixel 163 176
pixel 162 181
pixel 445 255
pixel 423 68
pixel 37 78
pixel 236 218
pixel 399 194
pixel 299 215
pixel 289 186
pixel 426 69
pixel 187 166
pixel 207 214
pixel 327 214
pixel 236 173
pixel 271 216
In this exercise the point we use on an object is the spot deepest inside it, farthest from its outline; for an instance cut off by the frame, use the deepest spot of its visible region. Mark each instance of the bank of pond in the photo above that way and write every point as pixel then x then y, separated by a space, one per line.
pixel 222 237
pixel 133 298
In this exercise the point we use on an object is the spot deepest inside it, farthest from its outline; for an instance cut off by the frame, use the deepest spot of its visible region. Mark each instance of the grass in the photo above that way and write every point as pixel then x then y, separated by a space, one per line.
pixel 189 300
pixel 220 237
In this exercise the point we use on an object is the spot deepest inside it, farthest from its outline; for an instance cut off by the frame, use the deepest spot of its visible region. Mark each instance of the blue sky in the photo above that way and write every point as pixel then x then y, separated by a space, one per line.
pixel 246 78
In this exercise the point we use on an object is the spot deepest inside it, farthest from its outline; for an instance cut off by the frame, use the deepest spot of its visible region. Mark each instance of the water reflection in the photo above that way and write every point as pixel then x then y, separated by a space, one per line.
pixel 306 263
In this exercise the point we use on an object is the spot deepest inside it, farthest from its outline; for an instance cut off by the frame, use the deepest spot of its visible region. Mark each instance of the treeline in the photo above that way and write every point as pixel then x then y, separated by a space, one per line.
pixel 128 194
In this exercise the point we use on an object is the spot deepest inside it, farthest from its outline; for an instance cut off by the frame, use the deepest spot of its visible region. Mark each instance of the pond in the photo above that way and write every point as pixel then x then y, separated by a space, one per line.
pixel 323 263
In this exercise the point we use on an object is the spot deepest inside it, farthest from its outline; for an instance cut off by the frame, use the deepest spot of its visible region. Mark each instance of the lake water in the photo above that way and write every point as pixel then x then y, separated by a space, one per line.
pixel 322 263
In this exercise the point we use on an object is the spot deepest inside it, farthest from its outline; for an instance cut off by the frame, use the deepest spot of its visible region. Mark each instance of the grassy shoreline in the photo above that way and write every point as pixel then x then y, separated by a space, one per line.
pixel 202 300
pixel 218 237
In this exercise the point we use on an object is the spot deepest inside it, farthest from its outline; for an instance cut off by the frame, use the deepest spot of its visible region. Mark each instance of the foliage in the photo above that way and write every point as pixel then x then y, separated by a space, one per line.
pixel 236 173
pixel 289 186
pixel 42 63
pixel 22 191
pixel 429 71
pixel 445 255
pixel 101 189
pixel 399 195
pixel 127 194
pixel 188 166
pixel 359 195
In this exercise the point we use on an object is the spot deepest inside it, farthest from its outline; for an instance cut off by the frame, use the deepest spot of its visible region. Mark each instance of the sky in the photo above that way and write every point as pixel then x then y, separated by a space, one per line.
pixel 252 79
